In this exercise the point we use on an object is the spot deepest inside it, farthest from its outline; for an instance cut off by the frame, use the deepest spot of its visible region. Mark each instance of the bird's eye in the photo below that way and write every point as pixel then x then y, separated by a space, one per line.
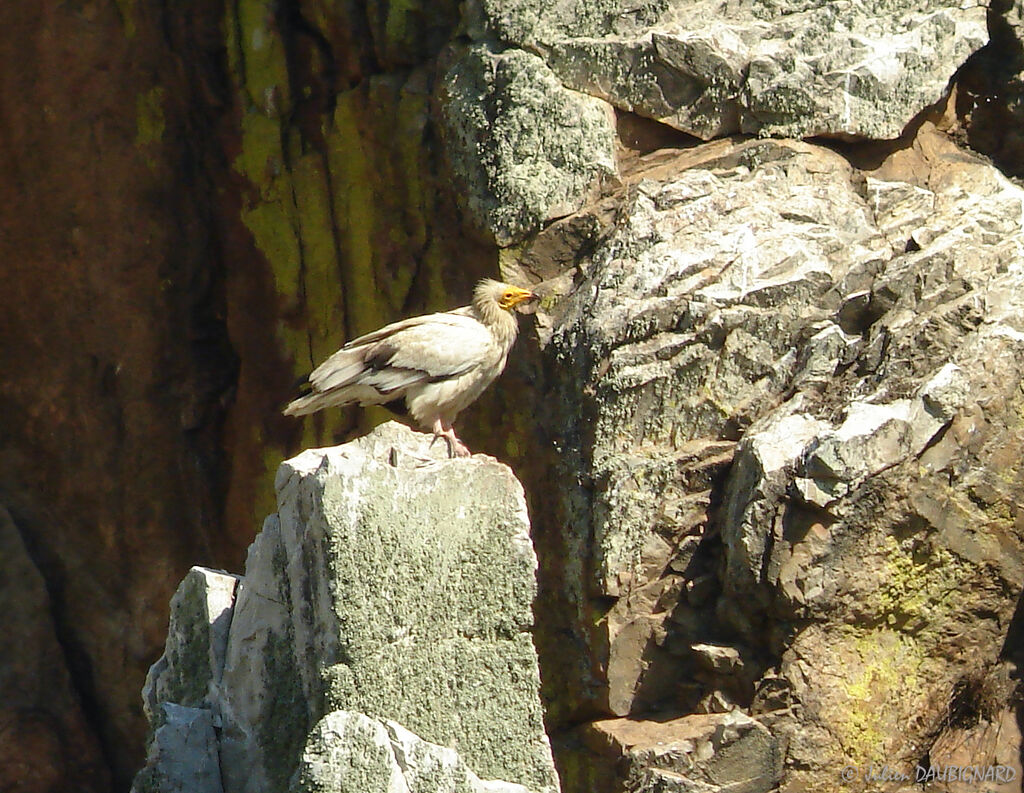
pixel 508 295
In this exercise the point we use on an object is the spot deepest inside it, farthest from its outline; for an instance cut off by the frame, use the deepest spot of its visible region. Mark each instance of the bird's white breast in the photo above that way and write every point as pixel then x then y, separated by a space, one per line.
pixel 446 398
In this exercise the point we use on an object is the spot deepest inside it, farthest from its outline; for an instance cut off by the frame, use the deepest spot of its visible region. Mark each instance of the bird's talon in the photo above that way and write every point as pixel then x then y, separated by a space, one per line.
pixel 447 443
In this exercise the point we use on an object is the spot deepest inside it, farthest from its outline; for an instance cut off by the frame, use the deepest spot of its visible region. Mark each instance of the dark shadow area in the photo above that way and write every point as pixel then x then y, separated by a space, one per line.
pixel 644 135
pixel 989 92
pixel 1013 652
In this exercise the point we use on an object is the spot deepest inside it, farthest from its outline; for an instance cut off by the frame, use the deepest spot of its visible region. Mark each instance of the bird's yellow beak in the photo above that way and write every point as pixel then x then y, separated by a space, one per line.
pixel 513 296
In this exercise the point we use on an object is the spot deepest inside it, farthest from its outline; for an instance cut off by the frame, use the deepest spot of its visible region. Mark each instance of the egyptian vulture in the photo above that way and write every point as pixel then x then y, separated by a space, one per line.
pixel 440 363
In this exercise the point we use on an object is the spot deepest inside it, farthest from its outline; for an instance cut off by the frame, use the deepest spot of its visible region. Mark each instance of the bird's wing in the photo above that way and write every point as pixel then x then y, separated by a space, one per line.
pixel 460 316
pixel 423 349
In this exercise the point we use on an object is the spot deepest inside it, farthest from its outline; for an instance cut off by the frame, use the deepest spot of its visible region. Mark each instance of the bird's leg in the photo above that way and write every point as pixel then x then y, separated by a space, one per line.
pixel 456 448
pixel 438 430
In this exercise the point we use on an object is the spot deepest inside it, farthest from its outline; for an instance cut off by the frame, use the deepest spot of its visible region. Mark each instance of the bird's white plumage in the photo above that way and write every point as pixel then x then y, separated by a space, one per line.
pixel 440 363
pixel 435 345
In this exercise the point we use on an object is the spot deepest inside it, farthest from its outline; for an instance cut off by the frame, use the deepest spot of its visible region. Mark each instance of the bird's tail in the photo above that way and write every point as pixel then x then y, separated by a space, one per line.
pixel 303 405
pixel 343 379
pixel 356 393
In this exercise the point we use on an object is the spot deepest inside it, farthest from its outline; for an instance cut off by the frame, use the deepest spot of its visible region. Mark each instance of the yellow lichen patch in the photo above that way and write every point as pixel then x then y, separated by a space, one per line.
pixel 917 587
pixel 126 9
pixel 383 206
pixel 882 687
pixel 323 300
pixel 149 117
pixel 274 236
pixel 378 224
pixel 261 160
pixel 397 26
pixel 290 222
pixel 259 57
pixel 355 209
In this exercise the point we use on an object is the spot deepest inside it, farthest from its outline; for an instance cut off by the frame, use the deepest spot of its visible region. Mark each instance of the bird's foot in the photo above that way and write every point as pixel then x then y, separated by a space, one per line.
pixel 456 448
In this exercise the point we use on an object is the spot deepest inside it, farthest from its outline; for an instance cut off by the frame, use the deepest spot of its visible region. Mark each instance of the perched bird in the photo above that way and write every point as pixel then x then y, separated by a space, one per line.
pixel 439 363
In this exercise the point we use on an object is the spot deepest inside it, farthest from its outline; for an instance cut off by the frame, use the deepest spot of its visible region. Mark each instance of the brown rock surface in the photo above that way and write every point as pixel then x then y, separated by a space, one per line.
pixel 702 751
pixel 46 744
pixel 114 356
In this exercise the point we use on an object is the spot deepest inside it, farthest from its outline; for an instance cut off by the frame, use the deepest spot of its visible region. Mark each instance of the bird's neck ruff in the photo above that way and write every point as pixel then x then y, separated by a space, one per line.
pixel 501 322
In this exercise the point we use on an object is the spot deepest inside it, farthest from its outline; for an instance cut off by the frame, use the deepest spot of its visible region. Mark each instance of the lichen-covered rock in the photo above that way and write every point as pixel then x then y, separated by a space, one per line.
pixel 790 427
pixel 264 713
pixel 351 751
pixel 183 694
pixel 418 582
pixel 524 148
pixel 201 612
pixel 684 330
pixel 392 592
pixel 714 68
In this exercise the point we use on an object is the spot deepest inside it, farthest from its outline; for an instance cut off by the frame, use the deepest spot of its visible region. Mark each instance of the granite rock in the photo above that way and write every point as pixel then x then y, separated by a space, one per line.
pixel 714 68
pixel 789 430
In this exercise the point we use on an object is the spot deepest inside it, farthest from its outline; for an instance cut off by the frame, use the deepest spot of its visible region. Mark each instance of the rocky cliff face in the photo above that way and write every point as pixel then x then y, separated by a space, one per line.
pixel 775 443
pixel 767 419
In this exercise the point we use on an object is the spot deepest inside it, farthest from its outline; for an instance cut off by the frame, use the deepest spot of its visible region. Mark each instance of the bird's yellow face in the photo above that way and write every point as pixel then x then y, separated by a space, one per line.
pixel 512 296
